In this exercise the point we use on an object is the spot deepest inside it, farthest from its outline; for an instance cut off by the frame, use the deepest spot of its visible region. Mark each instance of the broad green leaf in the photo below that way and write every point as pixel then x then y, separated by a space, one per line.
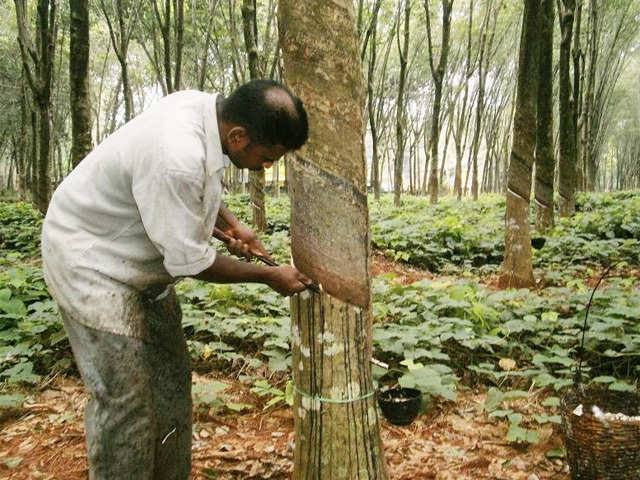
pixel 11 401
pixel 551 402
pixel 494 399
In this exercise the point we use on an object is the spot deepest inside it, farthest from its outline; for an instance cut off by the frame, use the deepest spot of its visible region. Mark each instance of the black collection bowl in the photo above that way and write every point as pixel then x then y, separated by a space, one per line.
pixel 400 405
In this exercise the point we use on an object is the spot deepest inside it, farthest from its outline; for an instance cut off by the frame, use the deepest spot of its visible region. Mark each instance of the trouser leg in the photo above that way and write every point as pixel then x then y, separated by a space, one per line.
pixel 138 421
pixel 119 425
pixel 171 389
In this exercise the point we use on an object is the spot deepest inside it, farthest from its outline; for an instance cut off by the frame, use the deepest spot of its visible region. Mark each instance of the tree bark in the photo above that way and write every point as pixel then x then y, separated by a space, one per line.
pixel 517 269
pixel 335 416
pixel 544 155
pixel 79 80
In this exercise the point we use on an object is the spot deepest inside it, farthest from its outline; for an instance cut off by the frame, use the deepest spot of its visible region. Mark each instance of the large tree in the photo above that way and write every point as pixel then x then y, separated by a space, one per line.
pixel 79 80
pixel 336 422
pixel 517 269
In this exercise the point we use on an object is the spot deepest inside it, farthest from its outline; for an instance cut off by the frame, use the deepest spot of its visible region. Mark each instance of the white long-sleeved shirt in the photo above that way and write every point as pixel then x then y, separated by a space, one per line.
pixel 137 212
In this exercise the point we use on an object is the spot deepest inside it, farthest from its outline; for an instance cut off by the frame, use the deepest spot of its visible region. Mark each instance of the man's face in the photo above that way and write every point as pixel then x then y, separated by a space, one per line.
pixel 256 157
pixel 244 153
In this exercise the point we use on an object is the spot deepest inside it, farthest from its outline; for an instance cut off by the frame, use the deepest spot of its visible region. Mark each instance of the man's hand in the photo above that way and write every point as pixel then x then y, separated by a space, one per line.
pixel 245 243
pixel 287 280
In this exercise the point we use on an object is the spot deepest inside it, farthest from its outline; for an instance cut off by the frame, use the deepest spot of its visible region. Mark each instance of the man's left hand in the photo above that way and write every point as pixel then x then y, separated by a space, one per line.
pixel 245 243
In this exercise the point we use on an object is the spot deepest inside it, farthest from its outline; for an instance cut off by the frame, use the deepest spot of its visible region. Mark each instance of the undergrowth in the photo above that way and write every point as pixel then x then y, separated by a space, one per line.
pixel 433 334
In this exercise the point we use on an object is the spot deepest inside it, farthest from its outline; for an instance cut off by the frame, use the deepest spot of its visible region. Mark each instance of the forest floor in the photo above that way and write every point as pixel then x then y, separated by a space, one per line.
pixel 450 441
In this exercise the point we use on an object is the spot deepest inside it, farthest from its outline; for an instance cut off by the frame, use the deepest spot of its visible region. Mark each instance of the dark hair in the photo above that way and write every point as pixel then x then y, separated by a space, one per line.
pixel 269 119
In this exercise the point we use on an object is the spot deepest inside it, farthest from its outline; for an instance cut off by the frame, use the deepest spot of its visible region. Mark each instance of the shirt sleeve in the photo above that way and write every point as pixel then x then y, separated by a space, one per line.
pixel 172 211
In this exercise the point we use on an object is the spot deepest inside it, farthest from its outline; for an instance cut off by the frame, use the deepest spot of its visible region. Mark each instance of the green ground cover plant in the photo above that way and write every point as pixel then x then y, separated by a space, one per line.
pixel 20 225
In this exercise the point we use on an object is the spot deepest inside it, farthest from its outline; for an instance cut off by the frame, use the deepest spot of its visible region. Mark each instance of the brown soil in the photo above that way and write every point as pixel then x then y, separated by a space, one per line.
pixel 451 441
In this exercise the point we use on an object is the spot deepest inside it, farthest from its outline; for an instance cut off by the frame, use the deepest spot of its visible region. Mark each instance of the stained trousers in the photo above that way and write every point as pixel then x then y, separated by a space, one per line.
pixel 138 419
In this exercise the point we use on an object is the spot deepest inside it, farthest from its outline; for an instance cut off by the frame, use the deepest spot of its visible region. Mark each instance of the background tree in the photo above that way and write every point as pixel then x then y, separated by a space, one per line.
pixel 438 76
pixel 122 20
pixel 335 414
pixel 544 156
pixel 401 124
pixel 483 58
pixel 256 179
pixel 79 80
pixel 566 121
pixel 37 64
pixel 165 24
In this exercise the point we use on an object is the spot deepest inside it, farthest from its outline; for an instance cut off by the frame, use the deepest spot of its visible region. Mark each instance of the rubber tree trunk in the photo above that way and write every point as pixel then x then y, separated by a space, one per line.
pixel 517 269
pixel 336 423
pixel 544 156
pixel 79 80
pixel 256 179
pixel 567 133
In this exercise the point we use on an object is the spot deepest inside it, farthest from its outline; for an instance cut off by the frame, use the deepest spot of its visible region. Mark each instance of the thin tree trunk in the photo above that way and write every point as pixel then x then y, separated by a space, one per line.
pixel 256 179
pixel 566 117
pixel 336 424
pixel 438 77
pixel 37 64
pixel 375 168
pixel 475 145
pixel 588 159
pixel 578 77
pixel 400 104
pixel 79 80
pixel 462 118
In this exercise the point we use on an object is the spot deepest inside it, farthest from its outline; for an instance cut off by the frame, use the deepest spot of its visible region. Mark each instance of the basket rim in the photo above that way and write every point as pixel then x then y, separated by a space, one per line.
pixel 608 401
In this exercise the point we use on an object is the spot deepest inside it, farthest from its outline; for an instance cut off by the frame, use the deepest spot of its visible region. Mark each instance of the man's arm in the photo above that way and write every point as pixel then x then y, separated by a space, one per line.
pixel 226 220
pixel 284 279
pixel 244 241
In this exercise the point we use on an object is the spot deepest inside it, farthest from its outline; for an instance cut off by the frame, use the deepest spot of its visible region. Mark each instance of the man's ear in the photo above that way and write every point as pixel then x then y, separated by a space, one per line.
pixel 237 138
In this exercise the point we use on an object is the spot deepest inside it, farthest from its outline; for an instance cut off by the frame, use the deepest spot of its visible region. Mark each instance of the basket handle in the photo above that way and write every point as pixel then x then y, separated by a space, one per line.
pixel 578 376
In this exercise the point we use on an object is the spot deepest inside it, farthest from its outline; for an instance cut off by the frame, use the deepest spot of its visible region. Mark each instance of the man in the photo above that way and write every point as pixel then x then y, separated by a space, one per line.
pixel 136 215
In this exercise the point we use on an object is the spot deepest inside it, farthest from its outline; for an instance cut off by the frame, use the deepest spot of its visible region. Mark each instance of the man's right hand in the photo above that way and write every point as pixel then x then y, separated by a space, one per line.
pixel 287 280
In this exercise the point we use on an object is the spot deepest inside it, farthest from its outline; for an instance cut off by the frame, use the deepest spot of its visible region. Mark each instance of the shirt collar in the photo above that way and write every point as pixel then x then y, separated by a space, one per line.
pixel 216 159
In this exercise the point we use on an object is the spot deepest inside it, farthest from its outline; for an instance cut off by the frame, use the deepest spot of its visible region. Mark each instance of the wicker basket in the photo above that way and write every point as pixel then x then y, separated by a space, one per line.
pixel 601 446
